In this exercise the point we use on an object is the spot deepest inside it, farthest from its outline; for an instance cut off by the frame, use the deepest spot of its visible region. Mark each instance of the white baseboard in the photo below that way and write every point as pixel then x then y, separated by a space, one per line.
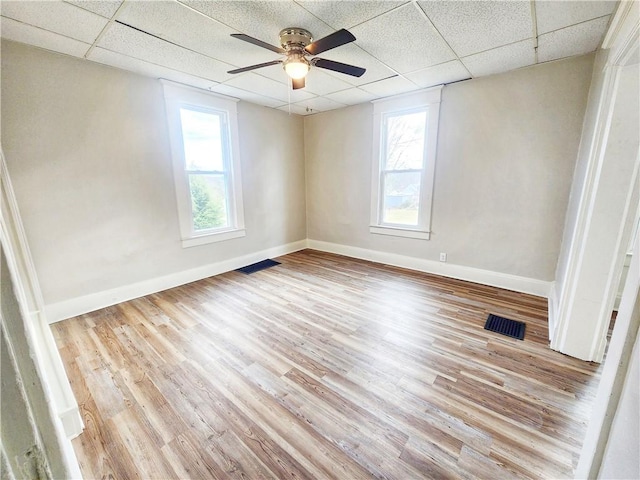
pixel 552 310
pixel 56 312
pixel 516 283
pixel 72 422
pixel 616 304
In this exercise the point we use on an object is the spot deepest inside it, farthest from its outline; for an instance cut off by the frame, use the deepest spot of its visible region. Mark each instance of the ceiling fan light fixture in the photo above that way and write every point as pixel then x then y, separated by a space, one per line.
pixel 296 66
pixel 297 44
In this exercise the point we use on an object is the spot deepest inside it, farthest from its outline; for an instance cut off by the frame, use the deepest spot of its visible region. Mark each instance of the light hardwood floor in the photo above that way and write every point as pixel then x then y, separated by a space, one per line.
pixel 324 367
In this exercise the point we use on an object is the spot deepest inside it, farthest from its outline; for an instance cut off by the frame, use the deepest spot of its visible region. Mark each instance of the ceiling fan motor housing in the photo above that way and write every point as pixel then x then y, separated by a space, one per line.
pixel 294 38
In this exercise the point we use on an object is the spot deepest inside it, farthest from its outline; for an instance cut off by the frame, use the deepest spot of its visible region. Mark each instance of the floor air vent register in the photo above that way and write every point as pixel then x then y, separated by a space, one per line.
pixel 256 267
pixel 504 326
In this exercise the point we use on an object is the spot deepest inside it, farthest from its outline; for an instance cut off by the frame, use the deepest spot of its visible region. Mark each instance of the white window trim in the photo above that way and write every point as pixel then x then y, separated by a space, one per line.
pixel 177 96
pixel 429 98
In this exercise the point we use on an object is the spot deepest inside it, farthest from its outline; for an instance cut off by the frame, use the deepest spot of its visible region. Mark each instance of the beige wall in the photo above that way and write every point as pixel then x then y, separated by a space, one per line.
pixel 506 153
pixel 88 153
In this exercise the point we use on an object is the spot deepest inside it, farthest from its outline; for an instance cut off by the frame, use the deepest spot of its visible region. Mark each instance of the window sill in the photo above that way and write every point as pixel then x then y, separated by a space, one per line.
pixel 213 237
pixel 400 232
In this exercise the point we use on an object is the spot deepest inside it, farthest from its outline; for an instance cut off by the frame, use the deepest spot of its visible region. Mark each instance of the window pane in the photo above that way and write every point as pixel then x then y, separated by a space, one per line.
pixel 401 198
pixel 209 201
pixel 405 141
pixel 202 140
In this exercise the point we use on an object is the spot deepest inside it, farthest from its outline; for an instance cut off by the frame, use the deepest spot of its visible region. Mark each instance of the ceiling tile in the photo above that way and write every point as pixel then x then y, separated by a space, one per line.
pixel 255 83
pixel 472 27
pixel 188 28
pixel 296 109
pixel 104 8
pixel 21 32
pixel 245 95
pixel 439 74
pixel 341 14
pixel 262 19
pixel 575 40
pixel 554 15
pixel 501 59
pixel 390 86
pixel 128 41
pixel 318 81
pixel 351 96
pixel 57 17
pixel 320 104
pixel 403 39
pixel 118 60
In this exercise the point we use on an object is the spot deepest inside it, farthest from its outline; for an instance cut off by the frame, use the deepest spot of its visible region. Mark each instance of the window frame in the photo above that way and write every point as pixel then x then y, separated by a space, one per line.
pixel 179 97
pixel 424 100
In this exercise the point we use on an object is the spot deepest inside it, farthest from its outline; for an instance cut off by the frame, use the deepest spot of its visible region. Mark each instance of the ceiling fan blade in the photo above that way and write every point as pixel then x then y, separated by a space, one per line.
pixel 253 67
pixel 297 83
pixel 334 40
pixel 339 67
pixel 255 41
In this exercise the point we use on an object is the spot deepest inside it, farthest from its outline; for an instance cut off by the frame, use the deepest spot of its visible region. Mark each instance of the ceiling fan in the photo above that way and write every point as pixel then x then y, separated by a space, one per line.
pixel 297 44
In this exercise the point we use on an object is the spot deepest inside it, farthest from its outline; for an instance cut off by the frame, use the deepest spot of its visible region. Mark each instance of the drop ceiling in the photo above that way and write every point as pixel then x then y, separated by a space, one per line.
pixel 404 45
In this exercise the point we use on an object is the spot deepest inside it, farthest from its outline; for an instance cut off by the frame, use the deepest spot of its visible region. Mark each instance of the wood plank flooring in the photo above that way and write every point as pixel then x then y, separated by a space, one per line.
pixel 324 367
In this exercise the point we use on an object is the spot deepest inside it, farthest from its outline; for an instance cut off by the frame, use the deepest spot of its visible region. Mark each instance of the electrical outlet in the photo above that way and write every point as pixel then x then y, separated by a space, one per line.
pixel 443 257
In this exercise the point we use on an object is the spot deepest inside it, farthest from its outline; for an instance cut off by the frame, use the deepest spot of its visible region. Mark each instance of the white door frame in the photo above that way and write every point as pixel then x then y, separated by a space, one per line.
pixel 623 41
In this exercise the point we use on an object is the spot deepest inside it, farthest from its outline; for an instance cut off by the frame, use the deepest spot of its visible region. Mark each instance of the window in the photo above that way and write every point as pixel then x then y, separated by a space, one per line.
pixel 404 154
pixel 204 146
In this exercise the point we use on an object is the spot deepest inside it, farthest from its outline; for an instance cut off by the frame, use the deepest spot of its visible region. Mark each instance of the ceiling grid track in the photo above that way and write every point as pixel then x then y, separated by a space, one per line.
pixel 534 26
pixel 402 45
pixel 111 21
pixel 426 17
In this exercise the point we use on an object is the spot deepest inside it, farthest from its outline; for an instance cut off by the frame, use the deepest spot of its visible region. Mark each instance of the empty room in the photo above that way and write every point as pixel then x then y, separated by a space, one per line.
pixel 320 239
